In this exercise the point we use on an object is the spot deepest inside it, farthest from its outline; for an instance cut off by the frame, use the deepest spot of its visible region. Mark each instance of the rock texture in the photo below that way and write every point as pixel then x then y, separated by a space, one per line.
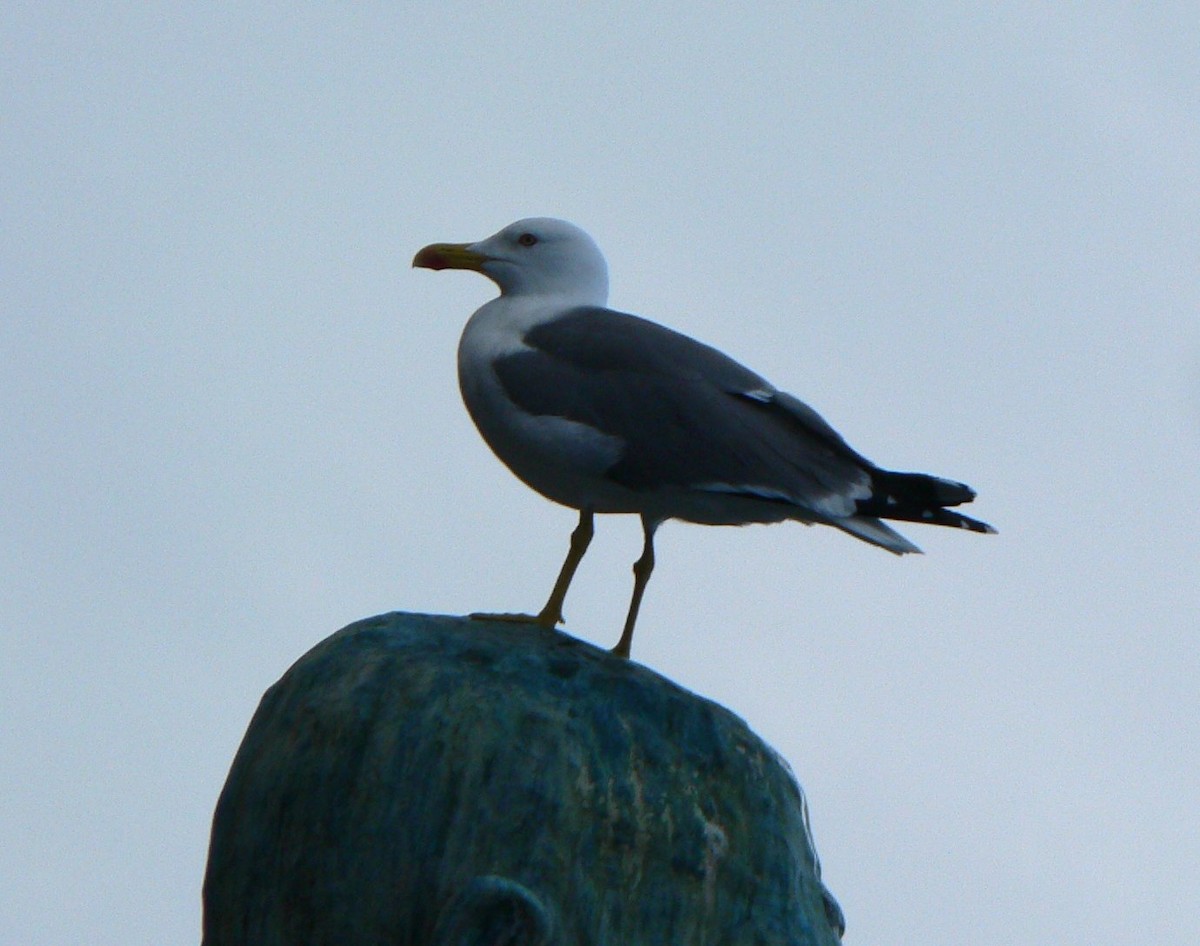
pixel 420 780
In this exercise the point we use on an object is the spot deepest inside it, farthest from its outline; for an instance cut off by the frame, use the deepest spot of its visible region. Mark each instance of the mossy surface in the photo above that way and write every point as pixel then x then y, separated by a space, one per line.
pixel 417 779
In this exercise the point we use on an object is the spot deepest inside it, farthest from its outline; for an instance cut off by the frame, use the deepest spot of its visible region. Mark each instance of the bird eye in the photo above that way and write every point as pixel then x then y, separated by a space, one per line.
pixel 527 239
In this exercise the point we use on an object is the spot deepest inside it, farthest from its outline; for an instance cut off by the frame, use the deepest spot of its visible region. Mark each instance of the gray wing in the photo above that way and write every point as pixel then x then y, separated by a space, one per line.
pixel 688 415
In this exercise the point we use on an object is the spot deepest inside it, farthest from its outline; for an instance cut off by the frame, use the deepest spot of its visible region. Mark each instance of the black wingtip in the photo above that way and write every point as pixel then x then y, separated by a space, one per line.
pixel 918 497
pixel 947 518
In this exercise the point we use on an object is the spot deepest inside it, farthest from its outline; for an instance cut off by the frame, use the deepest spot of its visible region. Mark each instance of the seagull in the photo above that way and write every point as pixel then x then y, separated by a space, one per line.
pixel 606 412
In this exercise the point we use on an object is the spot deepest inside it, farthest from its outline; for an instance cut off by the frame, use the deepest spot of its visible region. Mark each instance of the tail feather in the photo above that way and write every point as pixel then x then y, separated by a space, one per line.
pixel 917 497
pixel 872 530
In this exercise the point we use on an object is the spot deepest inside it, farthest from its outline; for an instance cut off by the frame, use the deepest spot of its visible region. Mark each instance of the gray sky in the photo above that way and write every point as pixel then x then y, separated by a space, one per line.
pixel 231 423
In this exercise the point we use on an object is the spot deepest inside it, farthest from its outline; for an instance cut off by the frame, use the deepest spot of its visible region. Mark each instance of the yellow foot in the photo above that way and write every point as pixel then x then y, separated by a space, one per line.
pixel 543 620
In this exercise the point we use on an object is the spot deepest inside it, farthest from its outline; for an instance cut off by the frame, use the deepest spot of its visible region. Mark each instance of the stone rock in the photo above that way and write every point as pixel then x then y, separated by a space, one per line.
pixel 417 779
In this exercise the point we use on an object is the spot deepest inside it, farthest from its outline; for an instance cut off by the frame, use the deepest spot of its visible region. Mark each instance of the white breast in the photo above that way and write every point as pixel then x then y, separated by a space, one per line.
pixel 562 459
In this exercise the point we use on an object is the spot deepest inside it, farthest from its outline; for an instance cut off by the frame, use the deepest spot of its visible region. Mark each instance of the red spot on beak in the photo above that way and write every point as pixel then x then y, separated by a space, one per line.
pixel 431 257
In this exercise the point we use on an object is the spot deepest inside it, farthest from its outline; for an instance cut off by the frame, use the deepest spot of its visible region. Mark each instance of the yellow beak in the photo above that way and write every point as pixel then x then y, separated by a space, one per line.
pixel 449 256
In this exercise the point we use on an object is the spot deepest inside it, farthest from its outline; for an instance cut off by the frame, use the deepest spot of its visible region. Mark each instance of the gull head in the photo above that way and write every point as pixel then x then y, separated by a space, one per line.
pixel 538 256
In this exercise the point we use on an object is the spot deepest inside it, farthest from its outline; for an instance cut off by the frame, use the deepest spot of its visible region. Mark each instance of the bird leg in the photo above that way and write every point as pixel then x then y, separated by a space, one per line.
pixel 551 614
pixel 641 575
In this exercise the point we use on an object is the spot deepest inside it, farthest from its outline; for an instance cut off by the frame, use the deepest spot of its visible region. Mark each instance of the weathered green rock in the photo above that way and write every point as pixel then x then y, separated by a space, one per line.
pixel 420 780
